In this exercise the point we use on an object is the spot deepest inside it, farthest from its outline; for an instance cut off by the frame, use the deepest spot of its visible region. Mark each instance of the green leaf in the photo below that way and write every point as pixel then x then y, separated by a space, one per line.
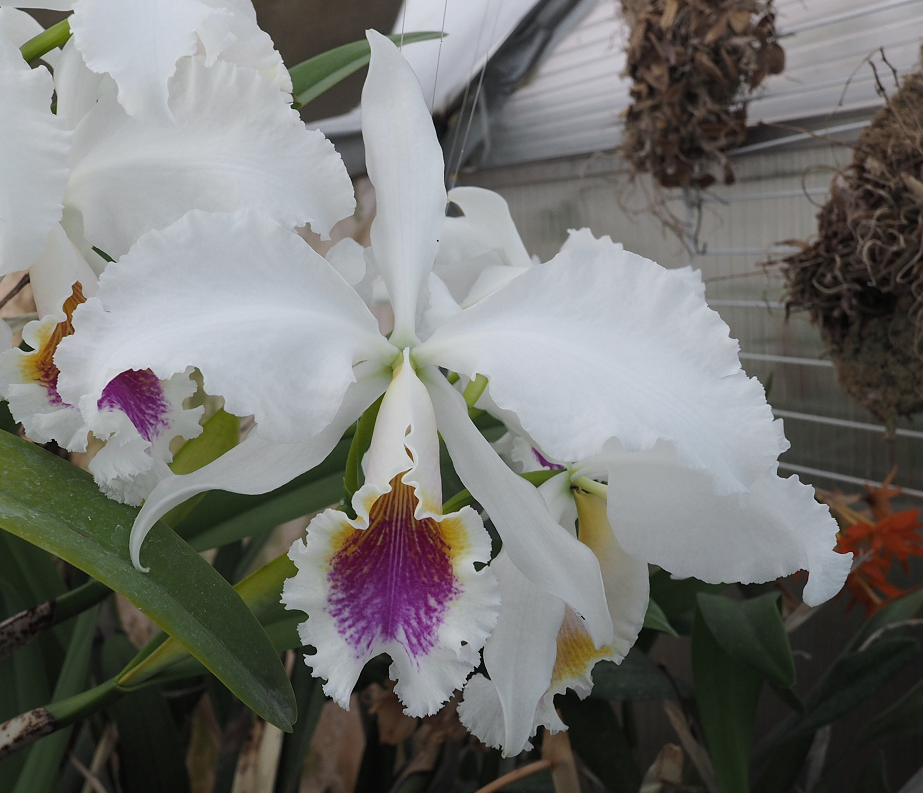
pixel 56 506
pixel 151 756
pixel 898 611
pixel 597 737
pixel 677 596
pixel 726 691
pixel 309 693
pixel 905 715
pixel 784 766
pixel 752 632
pixel 316 75
pixel 656 620
pixel 40 772
pixel 853 679
pixel 636 679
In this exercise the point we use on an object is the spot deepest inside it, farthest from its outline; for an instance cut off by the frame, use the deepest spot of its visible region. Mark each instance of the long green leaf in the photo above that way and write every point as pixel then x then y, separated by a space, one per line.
pixel 40 772
pixel 726 692
pixel 677 596
pixel 316 75
pixel 905 715
pixel 309 692
pixel 752 632
pixel 897 611
pixel 56 506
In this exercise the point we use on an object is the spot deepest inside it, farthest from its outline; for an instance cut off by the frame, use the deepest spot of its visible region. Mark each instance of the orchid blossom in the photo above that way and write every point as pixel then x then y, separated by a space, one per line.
pixel 650 511
pixel 91 178
pixel 597 355
pixel 320 362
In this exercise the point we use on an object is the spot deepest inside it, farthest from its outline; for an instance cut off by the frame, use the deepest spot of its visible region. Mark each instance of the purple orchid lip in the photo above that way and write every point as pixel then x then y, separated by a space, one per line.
pixel 394 581
pixel 139 395
pixel 542 461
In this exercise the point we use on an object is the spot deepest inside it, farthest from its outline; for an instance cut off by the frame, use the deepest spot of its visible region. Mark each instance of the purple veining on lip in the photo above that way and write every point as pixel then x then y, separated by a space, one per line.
pixel 139 395
pixel 546 463
pixel 393 581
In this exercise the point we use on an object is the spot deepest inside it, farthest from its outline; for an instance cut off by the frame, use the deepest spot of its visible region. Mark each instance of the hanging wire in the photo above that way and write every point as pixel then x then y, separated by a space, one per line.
pixel 474 105
pixel 445 8
pixel 403 22
pixel 458 126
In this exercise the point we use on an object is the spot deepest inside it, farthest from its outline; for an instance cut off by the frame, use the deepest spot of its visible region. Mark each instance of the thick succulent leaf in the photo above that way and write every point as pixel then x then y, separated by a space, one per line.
pixel 726 692
pixel 56 506
pixel 656 620
pixel 752 632
pixel 316 75
pixel 904 716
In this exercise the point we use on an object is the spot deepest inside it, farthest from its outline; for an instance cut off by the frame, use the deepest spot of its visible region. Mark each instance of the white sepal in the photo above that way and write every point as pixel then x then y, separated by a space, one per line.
pixel 405 165
pixel 544 552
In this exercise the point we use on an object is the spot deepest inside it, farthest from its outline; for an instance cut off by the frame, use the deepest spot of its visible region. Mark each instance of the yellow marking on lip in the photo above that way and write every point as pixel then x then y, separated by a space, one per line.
pixel 576 652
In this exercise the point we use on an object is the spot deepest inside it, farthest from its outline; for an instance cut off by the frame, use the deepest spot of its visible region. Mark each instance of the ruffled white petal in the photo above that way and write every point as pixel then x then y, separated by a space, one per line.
pixel 669 515
pixel 53 275
pixel 138 43
pixel 541 549
pixel 237 38
pixel 596 344
pixel 583 239
pixel 33 160
pixel 405 164
pixel 234 145
pixel 401 577
pixel 77 88
pixel 259 465
pixel 271 325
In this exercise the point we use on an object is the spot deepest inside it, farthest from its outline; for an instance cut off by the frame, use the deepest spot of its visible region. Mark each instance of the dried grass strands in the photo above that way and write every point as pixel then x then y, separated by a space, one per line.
pixel 862 279
pixel 694 63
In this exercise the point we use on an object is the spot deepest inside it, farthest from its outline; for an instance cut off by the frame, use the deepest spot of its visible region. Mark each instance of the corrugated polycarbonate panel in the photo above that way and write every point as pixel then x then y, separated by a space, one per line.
pixel 835 442
pixel 573 103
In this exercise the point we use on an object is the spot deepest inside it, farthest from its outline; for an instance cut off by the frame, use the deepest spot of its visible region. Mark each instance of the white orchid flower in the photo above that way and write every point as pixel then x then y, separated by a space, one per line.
pixel 277 332
pixel 652 510
pixel 593 349
pixel 92 177
pixel 138 43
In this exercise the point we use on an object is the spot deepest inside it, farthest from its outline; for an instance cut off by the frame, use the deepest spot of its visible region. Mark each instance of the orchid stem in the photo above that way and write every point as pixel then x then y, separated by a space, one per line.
pixel 591 486
pixel 46 41
pixel 474 389
pixel 515 776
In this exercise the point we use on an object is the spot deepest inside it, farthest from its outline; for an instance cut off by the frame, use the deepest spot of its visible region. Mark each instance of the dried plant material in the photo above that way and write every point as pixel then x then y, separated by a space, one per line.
pixel 394 726
pixel 259 759
pixel 556 749
pixel 139 627
pixel 861 281
pixel 434 732
pixel 665 772
pixel 697 753
pixel 694 64
pixel 337 746
pixel 204 747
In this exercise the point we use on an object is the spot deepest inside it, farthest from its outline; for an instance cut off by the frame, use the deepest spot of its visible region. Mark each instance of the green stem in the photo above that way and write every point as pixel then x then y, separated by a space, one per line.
pixel 46 41
pixel 463 498
pixel 591 486
pixel 79 599
pixel 474 389
pixel 69 710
